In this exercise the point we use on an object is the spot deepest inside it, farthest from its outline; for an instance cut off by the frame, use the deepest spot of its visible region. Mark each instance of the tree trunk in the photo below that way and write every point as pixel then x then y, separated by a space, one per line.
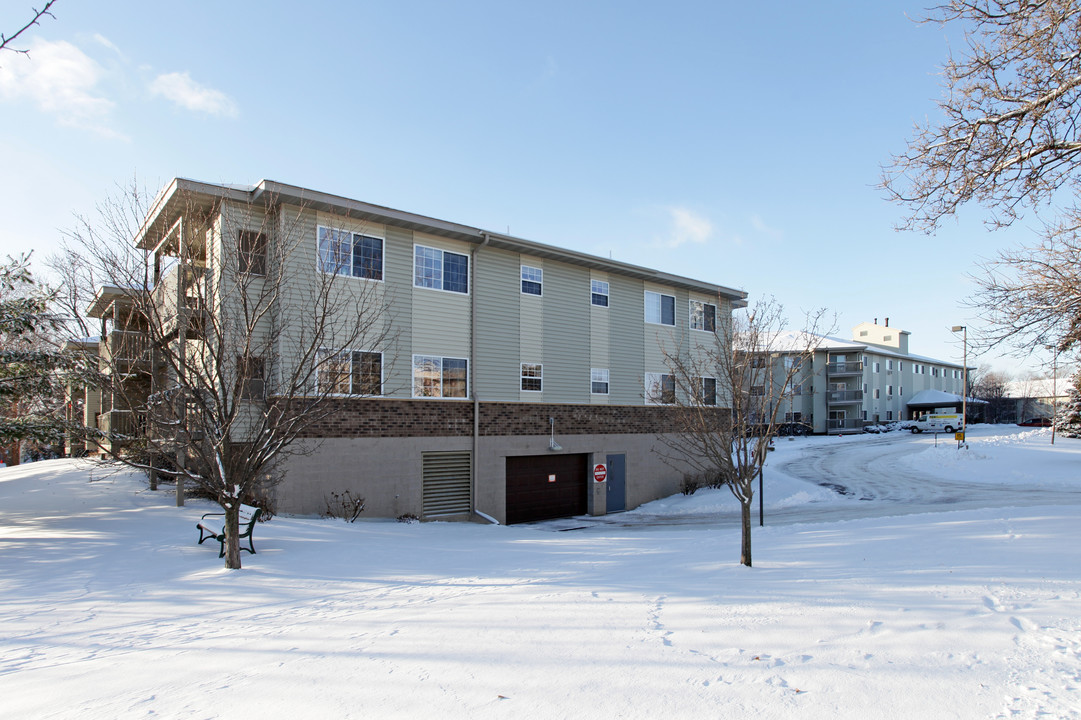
pixel 745 545
pixel 232 531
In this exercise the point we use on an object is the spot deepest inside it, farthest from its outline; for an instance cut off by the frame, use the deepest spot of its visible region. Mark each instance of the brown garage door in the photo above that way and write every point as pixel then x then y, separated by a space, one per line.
pixel 533 495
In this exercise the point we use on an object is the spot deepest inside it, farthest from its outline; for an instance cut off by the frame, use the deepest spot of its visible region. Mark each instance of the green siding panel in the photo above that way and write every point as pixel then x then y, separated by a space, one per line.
pixel 566 333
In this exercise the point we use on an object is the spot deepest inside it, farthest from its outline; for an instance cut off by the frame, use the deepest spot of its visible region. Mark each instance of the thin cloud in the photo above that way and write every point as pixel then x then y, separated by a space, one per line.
pixel 62 81
pixel 106 42
pixel 762 228
pixel 185 92
pixel 686 227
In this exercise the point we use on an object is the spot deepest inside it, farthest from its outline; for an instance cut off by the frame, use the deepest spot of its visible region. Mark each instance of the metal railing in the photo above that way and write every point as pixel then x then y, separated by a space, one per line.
pixel 845 424
pixel 844 368
pixel 844 396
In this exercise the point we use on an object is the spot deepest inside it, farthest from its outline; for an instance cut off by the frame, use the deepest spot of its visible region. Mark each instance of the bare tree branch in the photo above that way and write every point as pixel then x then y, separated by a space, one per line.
pixel 38 14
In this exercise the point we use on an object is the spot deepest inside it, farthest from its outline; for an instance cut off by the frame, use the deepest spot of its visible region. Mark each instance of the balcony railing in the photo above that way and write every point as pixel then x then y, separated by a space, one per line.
pixel 844 424
pixel 853 367
pixel 121 422
pixel 837 397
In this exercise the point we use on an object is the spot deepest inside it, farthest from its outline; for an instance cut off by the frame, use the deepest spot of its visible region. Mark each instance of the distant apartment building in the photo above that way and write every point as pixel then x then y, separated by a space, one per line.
pixel 873 378
pixel 515 366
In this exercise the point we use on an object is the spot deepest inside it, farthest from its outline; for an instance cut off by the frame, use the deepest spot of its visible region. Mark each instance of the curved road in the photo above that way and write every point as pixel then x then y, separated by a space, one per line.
pixel 870 482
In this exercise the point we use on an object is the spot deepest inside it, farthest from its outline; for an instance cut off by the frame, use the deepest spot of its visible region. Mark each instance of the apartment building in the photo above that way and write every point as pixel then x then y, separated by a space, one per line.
pixel 510 368
pixel 872 378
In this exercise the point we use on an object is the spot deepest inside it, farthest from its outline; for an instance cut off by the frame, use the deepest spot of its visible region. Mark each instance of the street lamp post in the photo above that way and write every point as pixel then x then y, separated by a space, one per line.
pixel 964 389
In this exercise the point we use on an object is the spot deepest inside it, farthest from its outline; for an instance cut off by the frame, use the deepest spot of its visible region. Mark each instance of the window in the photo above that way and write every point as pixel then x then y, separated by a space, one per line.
pixel 889 391
pixel 934 372
pixel 660 309
pixel 598 293
pixel 878 367
pixel 708 391
pixel 889 364
pixel 887 338
pixel 758 391
pixel 349 253
pixel 889 415
pixel 877 393
pixel 863 333
pixel 350 372
pixel 865 388
pixel 598 381
pixel 531 377
pixel 900 366
pixel 440 269
pixel 901 390
pixel 793 417
pixel 660 389
pixel 758 361
pixel 703 316
pixel 251 252
pixel 532 280
pixel 435 376
pixel 250 373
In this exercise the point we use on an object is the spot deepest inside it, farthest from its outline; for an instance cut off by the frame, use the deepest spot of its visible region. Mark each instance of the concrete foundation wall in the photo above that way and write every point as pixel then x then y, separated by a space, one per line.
pixel 387 472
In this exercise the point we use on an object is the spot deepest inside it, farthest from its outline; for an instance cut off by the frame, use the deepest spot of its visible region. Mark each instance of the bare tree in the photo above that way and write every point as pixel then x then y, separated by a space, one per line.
pixel 754 363
pixel 221 346
pixel 992 386
pixel 1012 102
pixel 1008 141
pixel 6 40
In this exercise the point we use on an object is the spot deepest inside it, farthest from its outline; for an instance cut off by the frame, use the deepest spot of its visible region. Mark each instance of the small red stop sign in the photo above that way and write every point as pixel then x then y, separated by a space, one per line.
pixel 600 473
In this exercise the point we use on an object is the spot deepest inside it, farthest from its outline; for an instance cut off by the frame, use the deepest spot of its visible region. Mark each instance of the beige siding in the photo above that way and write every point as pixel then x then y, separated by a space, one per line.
pixel 440 319
pixel 628 341
pixel 600 334
pixel 398 271
pixel 566 333
pixel 531 320
pixel 498 325
pixel 662 338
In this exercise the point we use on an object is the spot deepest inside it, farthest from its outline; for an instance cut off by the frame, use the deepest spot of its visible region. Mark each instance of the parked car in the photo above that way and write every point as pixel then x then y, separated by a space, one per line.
pixel 1036 422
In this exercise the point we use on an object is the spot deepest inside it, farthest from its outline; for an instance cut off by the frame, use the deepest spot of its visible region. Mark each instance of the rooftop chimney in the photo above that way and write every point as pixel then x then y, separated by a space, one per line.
pixel 887 322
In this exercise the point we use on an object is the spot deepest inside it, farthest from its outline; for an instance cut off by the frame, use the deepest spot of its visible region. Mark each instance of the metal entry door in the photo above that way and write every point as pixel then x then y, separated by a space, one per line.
pixel 617 483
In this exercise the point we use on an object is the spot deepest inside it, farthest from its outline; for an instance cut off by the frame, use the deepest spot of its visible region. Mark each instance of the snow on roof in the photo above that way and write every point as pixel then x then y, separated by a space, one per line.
pixel 798 340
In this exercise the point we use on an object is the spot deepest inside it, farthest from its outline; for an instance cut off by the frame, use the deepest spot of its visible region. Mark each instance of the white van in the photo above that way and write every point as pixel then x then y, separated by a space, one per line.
pixel 938 423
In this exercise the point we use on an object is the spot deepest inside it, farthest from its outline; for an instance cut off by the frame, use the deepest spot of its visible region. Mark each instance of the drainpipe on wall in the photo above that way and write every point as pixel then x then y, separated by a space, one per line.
pixel 473 382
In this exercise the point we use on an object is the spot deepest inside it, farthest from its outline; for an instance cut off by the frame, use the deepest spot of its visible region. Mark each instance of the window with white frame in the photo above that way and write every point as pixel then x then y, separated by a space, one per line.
pixel 660 389
pixel 889 391
pixel 349 372
pixel 900 390
pixel 532 377
pixel 708 391
pixel 598 293
pixel 703 316
pixel 934 372
pixel 900 365
pixel 878 367
pixel 440 269
pixel 660 308
pixel 889 364
pixel 598 381
pixel 532 280
pixel 349 253
pixel 877 393
pixel 435 376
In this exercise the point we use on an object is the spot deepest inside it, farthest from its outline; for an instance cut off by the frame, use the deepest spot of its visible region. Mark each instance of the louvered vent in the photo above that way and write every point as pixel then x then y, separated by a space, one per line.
pixel 446 483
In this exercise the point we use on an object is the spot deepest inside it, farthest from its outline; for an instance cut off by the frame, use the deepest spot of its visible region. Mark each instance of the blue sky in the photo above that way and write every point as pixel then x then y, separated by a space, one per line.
pixel 738 143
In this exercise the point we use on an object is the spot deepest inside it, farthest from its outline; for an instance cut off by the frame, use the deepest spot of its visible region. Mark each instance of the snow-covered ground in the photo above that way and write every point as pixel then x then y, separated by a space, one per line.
pixel 943 584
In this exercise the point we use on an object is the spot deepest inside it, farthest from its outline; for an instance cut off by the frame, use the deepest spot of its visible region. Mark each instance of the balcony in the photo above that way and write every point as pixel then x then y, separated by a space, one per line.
pixel 166 295
pixel 844 397
pixel 844 425
pixel 854 367
pixel 124 351
pixel 121 422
